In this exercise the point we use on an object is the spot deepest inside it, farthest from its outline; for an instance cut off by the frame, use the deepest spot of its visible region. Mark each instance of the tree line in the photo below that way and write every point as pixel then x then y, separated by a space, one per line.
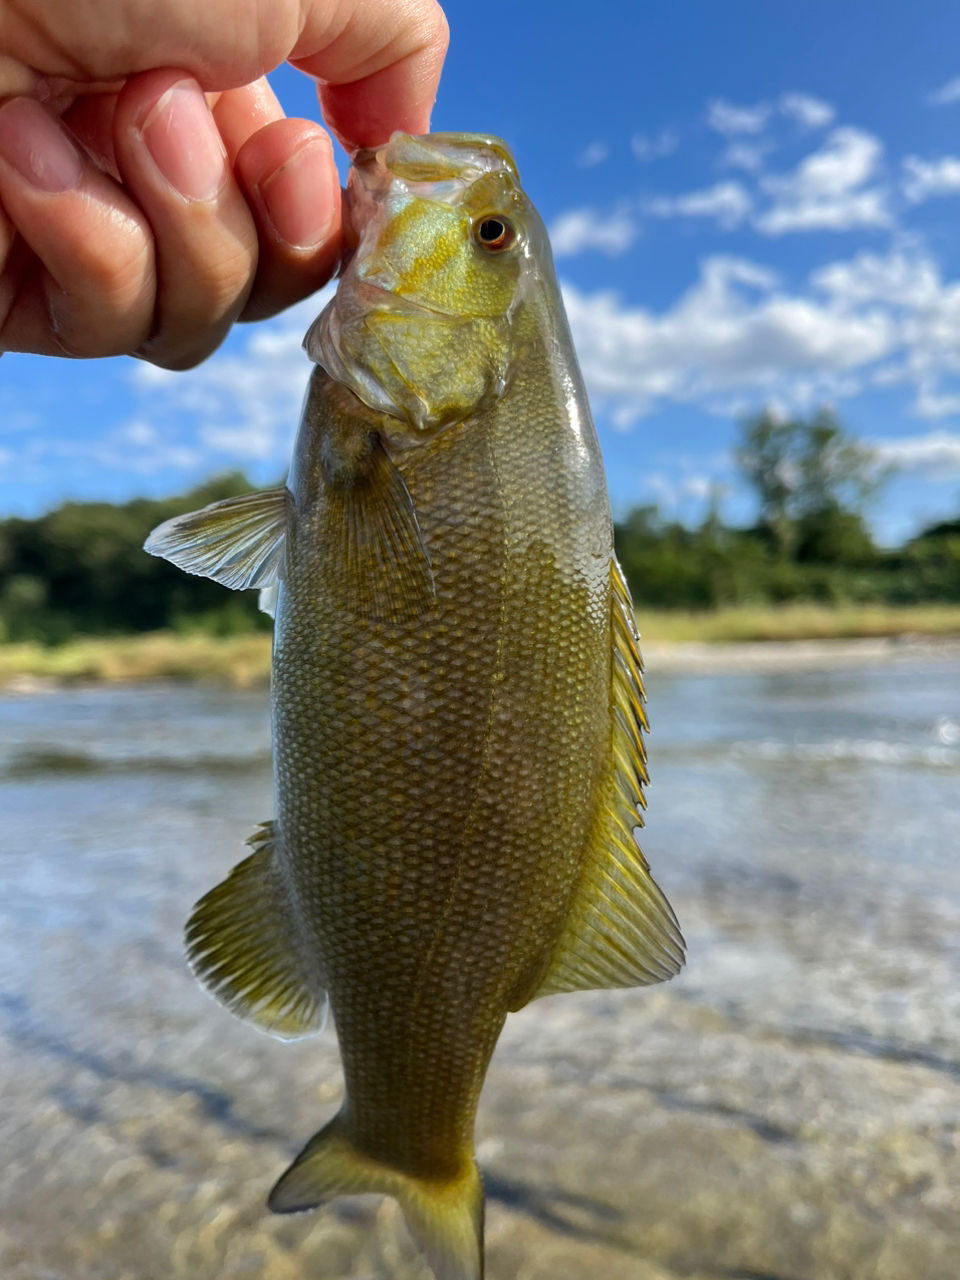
pixel 811 541
pixel 81 569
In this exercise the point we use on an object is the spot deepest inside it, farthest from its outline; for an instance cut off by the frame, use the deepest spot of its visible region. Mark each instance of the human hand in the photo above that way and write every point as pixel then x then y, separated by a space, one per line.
pixel 179 213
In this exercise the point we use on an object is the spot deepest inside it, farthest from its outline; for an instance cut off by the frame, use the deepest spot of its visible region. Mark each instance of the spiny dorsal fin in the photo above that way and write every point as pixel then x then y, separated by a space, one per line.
pixel 238 542
pixel 620 930
pixel 372 552
pixel 242 945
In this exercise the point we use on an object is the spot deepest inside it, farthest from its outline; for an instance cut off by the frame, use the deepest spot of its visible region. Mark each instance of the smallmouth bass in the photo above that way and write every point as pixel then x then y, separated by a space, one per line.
pixel 457 694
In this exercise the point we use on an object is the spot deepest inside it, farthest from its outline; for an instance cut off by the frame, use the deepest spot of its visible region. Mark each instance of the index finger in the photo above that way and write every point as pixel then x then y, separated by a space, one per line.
pixel 378 63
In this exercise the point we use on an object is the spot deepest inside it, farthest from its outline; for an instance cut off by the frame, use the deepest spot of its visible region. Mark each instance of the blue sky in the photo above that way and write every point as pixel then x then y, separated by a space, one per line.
pixel 751 203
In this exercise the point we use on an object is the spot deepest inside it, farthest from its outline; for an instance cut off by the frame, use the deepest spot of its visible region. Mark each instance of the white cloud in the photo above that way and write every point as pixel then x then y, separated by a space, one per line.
pixel 580 229
pixel 810 112
pixel 698 486
pixel 734 331
pixel 907 281
pixel 593 155
pixel 139 433
pixel 926 311
pixel 932 403
pixel 675 491
pixel 726 118
pixel 947 93
pixel 938 451
pixel 926 178
pixel 647 148
pixel 828 189
pixel 242 406
pixel 136 447
pixel 728 202
pixel 140 447
pixel 745 155
pixel 738 337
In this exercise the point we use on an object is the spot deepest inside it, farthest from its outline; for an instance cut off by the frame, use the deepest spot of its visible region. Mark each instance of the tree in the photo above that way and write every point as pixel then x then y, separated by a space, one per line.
pixel 812 482
pixel 766 457
pixel 82 569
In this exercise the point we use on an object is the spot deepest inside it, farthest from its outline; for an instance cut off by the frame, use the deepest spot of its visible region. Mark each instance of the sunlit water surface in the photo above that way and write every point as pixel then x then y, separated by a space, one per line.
pixel 806 826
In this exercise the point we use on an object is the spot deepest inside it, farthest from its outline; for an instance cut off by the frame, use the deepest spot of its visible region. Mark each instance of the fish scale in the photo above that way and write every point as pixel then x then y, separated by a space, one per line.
pixel 457 692
pixel 503 625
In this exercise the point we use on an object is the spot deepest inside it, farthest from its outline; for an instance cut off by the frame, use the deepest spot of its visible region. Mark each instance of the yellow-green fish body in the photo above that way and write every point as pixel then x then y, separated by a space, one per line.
pixel 456 691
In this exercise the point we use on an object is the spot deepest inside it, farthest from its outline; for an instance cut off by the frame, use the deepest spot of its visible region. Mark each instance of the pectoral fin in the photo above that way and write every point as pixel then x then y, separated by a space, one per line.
pixel 620 931
pixel 268 599
pixel 238 542
pixel 374 559
pixel 244 946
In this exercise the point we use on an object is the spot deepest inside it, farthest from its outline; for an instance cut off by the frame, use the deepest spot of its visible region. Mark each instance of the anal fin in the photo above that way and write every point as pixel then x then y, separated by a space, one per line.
pixel 242 944
pixel 620 931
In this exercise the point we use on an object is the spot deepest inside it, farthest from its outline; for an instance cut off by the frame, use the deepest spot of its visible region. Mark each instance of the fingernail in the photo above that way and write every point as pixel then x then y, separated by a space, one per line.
pixel 38 147
pixel 183 140
pixel 302 197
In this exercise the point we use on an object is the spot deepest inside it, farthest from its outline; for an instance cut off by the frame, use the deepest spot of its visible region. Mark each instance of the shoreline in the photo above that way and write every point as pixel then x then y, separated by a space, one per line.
pixel 243 661
pixel 746 657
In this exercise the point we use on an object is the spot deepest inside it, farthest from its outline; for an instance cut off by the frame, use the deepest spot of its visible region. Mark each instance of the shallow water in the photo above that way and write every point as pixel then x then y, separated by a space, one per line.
pixel 787 1108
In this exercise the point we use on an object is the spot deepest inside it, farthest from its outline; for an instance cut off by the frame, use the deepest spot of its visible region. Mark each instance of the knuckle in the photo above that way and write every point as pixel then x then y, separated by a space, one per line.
pixel 179 359
pixel 106 306
pixel 198 308
pixel 224 277
pixel 118 258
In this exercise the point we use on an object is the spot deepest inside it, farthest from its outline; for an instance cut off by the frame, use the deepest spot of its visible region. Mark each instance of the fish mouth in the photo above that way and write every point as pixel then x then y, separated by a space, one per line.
pixel 427 158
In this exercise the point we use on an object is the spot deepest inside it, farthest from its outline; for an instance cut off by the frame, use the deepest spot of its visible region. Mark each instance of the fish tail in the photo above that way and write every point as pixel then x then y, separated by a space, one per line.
pixel 445 1215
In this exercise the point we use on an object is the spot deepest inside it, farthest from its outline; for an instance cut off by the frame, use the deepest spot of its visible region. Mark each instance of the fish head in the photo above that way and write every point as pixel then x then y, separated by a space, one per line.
pixel 447 245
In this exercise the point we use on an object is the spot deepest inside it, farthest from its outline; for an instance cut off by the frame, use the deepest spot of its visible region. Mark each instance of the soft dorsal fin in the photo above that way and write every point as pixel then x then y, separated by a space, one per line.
pixel 372 555
pixel 238 542
pixel 242 943
pixel 620 930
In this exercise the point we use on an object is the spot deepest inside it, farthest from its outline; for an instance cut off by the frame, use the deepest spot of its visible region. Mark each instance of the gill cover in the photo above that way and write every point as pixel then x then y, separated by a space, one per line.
pixel 420 325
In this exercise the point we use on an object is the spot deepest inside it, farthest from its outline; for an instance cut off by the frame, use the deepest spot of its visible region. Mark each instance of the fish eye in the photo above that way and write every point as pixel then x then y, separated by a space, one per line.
pixel 494 233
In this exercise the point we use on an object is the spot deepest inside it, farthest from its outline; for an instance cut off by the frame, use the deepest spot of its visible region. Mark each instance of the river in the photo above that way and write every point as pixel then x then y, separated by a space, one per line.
pixel 787 1109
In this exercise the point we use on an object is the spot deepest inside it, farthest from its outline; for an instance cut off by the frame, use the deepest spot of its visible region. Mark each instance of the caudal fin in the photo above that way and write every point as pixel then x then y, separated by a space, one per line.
pixel 445 1216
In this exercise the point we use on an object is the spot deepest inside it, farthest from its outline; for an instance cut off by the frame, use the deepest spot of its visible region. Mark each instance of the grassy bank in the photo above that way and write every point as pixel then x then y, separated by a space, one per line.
pixel 798 622
pixel 245 660
pixel 161 655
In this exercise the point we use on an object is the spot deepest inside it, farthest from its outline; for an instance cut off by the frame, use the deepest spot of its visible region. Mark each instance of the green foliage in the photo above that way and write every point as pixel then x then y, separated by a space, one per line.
pixel 671 567
pixel 928 567
pixel 81 569
pixel 765 456
pixel 812 482
pixel 811 541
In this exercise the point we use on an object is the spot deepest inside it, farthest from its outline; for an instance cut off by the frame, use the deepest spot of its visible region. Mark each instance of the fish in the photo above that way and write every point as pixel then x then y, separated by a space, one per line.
pixel 457 692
